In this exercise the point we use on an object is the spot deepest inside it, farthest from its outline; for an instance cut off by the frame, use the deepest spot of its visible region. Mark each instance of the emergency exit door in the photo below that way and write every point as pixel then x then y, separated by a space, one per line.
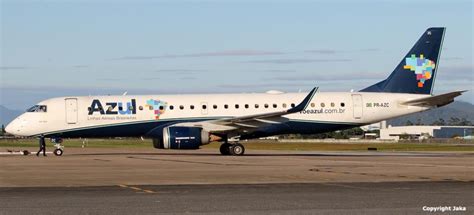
pixel 71 110
pixel 357 106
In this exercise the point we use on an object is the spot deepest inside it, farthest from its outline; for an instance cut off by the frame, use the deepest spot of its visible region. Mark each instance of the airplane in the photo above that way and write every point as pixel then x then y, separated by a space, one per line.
pixel 189 121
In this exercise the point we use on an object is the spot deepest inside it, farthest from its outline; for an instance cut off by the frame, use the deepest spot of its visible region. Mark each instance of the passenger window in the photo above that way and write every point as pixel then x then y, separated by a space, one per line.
pixel 236 106
pixel 140 107
pixel 332 104
pixel 181 107
pixel 284 105
pixel 322 104
pixel 161 107
pixel 192 107
pixel 342 104
pixel 256 105
pixel 204 107
pixel 246 106
pixel 292 105
pixel 312 104
pixel 110 108
pixel 266 105
pixel 214 106
pixel 89 109
pixel 149 107
pixel 275 105
pixel 226 106
pixel 171 107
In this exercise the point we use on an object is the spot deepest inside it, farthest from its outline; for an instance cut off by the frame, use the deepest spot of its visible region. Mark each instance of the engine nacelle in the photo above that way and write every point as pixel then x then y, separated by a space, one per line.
pixel 179 137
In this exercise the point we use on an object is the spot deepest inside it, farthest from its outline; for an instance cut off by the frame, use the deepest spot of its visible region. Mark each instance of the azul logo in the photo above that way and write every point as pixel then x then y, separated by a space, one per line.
pixel 113 108
pixel 422 67
pixel 157 106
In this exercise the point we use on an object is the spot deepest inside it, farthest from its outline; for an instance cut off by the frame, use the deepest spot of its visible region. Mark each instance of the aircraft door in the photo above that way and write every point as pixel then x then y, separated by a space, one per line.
pixel 357 106
pixel 71 110
pixel 204 108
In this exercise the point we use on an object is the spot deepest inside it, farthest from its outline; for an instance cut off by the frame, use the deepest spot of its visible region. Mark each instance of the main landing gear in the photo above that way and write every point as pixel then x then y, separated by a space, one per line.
pixel 232 149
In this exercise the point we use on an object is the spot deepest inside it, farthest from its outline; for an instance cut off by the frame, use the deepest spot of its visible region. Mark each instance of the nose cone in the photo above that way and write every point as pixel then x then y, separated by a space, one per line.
pixel 10 128
pixel 21 126
pixel 15 127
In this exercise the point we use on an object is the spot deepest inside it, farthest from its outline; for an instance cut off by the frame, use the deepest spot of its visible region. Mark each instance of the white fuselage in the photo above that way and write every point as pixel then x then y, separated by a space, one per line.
pixel 83 112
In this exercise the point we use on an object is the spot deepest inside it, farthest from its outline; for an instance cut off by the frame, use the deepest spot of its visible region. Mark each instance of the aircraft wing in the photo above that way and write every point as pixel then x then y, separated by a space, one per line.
pixel 250 122
pixel 435 101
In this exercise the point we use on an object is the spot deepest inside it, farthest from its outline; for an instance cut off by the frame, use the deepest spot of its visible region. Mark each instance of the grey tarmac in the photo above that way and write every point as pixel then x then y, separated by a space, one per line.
pixel 147 181
pixel 312 198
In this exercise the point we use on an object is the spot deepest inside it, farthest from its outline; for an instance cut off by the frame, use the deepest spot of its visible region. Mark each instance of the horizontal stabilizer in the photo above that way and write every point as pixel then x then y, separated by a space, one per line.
pixel 435 101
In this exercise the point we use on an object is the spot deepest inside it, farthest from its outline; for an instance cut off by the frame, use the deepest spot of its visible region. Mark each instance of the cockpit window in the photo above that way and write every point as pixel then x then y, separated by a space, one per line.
pixel 37 108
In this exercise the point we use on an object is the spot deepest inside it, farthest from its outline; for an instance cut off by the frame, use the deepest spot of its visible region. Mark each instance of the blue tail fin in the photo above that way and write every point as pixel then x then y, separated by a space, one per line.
pixel 416 72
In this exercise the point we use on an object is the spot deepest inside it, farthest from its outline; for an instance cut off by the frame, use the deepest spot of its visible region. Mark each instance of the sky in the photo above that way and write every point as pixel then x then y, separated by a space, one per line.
pixel 68 48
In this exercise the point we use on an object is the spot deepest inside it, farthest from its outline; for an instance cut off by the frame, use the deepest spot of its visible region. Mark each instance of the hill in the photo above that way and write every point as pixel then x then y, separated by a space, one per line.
pixel 7 115
pixel 457 109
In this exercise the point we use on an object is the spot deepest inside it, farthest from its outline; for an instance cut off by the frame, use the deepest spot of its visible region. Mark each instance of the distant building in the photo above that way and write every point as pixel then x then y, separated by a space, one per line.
pixel 422 132
pixel 370 136
pixel 374 126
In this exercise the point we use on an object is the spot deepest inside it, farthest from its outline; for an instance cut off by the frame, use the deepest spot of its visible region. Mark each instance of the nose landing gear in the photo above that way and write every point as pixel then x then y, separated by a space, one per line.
pixel 59 150
pixel 59 147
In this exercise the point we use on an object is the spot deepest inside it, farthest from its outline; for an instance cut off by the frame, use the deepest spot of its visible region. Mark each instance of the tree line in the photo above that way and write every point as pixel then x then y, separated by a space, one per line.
pixel 453 121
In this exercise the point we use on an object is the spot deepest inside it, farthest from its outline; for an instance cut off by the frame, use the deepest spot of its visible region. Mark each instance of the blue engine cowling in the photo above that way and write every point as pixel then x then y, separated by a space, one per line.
pixel 179 137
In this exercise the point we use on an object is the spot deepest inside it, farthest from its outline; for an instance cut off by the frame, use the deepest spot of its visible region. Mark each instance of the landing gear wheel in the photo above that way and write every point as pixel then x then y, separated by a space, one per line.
pixel 237 149
pixel 58 152
pixel 225 149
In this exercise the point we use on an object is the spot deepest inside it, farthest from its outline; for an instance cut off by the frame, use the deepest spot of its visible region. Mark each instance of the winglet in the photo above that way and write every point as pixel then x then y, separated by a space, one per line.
pixel 305 102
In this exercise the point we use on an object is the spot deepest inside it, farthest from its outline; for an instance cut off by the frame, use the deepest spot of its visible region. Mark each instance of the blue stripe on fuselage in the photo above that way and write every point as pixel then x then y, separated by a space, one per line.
pixel 142 128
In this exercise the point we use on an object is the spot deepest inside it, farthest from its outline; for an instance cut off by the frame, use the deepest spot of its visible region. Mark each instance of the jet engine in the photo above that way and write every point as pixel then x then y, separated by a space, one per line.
pixel 180 137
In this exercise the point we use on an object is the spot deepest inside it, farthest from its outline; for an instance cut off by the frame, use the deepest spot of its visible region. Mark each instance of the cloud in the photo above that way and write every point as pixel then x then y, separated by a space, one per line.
pixel 80 66
pixel 145 79
pixel 456 73
pixel 322 51
pixel 292 61
pixel 452 58
pixel 13 67
pixel 179 71
pixel 262 86
pixel 330 77
pixel 368 50
pixel 187 78
pixel 459 74
pixel 280 71
pixel 111 79
pixel 333 51
pixel 205 54
pixel 149 79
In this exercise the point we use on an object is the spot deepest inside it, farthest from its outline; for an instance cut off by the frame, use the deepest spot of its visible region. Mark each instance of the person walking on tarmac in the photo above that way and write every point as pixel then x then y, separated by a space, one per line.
pixel 42 145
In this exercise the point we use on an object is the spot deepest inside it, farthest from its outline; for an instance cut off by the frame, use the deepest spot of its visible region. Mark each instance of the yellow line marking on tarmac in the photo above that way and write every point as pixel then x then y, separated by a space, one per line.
pixel 136 188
